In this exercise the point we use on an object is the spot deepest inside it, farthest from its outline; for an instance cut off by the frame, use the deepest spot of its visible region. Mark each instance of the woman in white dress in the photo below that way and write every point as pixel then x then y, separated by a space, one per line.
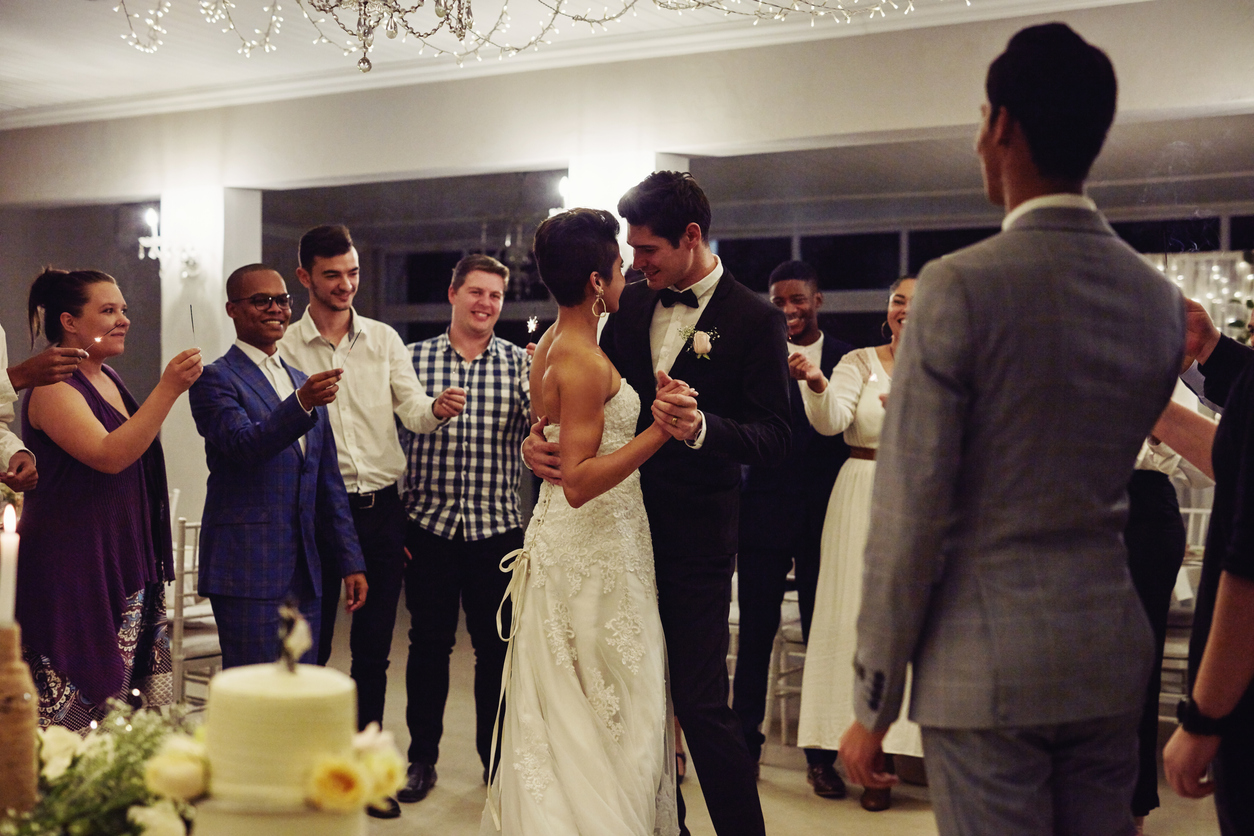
pixel 587 741
pixel 852 403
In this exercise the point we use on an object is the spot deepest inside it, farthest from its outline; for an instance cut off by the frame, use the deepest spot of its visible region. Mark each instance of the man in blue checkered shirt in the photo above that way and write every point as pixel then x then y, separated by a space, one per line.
pixel 461 491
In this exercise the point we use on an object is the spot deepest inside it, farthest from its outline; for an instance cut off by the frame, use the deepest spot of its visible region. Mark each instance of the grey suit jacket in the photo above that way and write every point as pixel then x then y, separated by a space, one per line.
pixel 1033 366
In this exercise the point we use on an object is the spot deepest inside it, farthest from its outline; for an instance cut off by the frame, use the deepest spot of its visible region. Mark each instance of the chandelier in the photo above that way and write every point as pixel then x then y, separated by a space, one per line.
pixel 358 21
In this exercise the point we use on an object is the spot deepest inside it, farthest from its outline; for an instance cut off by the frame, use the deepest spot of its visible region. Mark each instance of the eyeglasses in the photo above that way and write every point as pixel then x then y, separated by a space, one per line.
pixel 261 301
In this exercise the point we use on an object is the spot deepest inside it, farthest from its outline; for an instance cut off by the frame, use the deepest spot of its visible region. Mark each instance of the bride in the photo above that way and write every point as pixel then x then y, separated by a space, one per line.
pixel 586 745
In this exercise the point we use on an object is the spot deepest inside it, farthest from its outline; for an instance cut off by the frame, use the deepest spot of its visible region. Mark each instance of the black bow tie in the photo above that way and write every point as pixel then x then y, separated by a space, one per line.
pixel 669 298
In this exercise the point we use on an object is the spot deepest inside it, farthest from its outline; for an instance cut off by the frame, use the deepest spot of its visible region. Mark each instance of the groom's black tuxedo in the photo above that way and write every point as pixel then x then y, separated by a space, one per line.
pixel 693 498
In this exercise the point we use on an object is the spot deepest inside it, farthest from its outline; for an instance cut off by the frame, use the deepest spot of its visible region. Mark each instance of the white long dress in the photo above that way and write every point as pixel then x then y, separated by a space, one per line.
pixel 587 744
pixel 851 403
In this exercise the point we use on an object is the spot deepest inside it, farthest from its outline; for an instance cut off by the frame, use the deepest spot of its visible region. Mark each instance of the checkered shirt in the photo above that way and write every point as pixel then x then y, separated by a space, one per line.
pixel 466 472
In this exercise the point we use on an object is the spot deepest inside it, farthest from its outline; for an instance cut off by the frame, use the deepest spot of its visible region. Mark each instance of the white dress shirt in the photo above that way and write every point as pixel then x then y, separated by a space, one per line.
pixel 666 329
pixel 812 352
pixel 272 367
pixel 379 380
pixel 1064 200
pixel 9 442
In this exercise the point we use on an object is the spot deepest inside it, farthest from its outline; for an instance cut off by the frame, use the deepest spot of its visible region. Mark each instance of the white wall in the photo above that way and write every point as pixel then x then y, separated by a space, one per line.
pixel 1172 59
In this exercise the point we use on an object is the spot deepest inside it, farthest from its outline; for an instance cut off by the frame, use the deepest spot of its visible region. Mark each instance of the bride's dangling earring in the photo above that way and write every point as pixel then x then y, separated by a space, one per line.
pixel 600 299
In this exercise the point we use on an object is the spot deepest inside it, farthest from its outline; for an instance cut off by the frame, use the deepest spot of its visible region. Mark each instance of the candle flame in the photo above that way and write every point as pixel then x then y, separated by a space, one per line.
pixel 10 518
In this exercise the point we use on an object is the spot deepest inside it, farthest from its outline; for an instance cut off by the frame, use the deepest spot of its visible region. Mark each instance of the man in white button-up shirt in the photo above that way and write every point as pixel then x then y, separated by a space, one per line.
pixel 379 381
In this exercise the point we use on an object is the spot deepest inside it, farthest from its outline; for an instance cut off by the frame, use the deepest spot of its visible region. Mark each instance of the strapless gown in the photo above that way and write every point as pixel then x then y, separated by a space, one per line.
pixel 587 743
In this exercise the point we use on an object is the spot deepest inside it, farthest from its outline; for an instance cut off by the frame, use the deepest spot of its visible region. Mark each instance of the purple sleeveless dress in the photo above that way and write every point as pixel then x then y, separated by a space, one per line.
pixel 95 550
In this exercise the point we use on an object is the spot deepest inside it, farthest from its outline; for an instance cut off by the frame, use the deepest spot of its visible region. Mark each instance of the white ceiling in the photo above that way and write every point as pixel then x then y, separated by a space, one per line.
pixel 66 60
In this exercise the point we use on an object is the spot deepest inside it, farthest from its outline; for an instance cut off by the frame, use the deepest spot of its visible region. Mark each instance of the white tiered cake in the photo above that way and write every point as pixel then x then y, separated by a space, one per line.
pixel 265 728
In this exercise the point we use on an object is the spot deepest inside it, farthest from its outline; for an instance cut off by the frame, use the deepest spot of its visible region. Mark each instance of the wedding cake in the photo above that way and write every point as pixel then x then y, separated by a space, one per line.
pixel 267 729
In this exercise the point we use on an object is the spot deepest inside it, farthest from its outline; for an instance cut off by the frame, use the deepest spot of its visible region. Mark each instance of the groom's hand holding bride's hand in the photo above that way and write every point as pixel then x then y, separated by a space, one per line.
pixel 675 408
pixel 542 455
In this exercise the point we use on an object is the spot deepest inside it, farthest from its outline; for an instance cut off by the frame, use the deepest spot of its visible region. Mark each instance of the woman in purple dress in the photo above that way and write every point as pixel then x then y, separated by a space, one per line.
pixel 96 530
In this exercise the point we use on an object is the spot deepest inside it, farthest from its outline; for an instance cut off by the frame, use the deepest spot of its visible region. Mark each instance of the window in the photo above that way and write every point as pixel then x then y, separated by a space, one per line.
pixel 1185 235
pixel 751 260
pixel 928 244
pixel 427 276
pixel 853 262
pixel 1242 233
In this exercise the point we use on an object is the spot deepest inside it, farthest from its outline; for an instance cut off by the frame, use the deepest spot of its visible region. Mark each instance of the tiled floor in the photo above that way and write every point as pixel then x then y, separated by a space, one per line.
pixel 455 804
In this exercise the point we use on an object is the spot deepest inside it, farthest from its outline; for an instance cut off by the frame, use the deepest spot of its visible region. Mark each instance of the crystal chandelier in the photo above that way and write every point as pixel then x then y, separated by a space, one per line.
pixel 360 20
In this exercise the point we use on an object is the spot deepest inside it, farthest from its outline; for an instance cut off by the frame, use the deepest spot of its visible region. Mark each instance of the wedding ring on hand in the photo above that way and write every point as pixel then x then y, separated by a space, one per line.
pixel 674 420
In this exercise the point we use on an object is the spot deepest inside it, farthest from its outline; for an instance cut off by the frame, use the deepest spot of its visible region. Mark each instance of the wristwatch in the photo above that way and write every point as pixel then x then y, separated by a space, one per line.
pixel 1194 721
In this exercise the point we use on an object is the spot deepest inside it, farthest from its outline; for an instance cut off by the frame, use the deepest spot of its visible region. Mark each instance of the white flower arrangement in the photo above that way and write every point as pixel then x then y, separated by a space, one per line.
pixel 139 772
pixel 99 785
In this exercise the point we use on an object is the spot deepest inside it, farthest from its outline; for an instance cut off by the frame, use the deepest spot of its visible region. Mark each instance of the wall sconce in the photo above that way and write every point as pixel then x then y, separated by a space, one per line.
pixel 155 247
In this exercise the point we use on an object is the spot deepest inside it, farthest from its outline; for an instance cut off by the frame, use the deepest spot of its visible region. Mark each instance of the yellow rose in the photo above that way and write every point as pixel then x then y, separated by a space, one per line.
pixel 338 784
pixel 178 770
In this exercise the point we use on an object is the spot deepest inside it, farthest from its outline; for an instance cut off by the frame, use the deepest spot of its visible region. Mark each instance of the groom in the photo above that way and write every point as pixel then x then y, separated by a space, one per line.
pixel 691 320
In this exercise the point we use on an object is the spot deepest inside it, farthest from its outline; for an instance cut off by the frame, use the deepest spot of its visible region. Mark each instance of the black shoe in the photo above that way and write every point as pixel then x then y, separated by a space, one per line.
pixel 421 780
pixel 825 780
pixel 387 809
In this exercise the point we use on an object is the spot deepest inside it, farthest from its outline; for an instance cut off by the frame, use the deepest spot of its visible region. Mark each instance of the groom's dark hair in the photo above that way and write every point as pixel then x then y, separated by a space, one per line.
pixel 666 202
pixel 570 247
pixel 1061 90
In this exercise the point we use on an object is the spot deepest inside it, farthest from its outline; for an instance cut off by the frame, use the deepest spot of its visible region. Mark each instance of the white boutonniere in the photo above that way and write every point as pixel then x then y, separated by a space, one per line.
pixel 699 342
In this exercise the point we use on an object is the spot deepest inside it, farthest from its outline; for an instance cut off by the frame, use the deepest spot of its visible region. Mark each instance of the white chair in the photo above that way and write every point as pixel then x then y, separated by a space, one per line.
pixel 194 649
pixel 788 657
pixel 733 632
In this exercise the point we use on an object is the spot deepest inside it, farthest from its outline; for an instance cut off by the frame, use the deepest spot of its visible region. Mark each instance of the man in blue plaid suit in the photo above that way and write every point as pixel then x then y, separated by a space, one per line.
pixel 274 479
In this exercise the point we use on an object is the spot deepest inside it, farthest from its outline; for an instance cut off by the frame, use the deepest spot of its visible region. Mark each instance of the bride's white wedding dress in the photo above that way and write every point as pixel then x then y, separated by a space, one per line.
pixel 587 744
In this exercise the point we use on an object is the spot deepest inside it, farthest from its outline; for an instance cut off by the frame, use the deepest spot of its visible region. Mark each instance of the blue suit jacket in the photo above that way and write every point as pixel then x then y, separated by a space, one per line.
pixel 265 499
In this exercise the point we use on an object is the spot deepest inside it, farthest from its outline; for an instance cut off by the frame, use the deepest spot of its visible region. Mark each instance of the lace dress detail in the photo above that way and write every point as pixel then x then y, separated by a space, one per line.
pixel 587 732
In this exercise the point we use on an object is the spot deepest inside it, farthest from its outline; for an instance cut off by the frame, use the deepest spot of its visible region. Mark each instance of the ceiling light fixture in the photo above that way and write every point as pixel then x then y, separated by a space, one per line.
pixel 360 20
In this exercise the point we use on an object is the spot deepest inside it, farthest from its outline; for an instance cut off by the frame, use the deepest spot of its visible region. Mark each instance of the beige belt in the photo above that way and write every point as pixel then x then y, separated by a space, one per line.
pixel 862 453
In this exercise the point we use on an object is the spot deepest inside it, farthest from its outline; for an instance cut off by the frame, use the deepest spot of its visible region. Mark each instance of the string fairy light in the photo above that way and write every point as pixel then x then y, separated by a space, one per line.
pixel 359 20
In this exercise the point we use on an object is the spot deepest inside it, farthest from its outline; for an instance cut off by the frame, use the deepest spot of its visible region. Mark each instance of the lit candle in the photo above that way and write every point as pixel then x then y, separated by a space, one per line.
pixel 8 567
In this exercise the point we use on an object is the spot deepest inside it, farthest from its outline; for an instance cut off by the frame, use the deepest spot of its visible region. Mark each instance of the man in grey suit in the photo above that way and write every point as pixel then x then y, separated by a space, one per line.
pixel 1035 364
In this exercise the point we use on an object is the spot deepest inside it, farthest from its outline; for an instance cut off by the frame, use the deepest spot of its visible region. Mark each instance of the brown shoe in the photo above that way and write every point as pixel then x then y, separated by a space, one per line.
pixel 825 780
pixel 877 800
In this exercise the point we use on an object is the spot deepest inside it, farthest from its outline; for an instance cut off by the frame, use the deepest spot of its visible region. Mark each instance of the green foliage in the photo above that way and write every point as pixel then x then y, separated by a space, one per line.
pixel 104 779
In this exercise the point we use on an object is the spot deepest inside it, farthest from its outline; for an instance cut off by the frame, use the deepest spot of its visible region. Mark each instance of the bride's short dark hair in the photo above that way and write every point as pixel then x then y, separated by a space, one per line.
pixel 570 247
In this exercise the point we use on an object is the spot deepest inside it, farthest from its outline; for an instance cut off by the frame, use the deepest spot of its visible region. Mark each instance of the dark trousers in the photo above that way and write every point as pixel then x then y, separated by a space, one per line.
pixel 694 597
pixel 442 575
pixel 1155 538
pixel 762 582
pixel 379 518
pixel 1234 776
pixel 249 628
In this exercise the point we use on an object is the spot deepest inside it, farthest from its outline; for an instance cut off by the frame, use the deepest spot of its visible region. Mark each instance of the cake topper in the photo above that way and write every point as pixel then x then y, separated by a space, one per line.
pixel 294 635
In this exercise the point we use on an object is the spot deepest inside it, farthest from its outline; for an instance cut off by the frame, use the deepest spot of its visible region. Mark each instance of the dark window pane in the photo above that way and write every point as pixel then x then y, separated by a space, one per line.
pixel 1186 235
pixel 416 332
pixel 428 275
pixel 928 244
pixel 857 329
pixel 751 260
pixel 853 262
pixel 1242 233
